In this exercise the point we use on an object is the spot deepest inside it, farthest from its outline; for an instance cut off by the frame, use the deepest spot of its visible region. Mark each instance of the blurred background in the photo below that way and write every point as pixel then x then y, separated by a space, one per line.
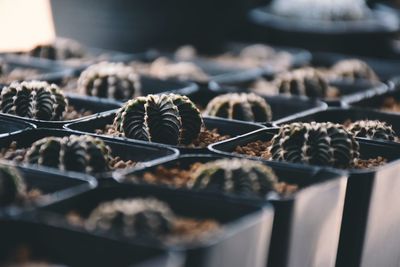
pixel 133 26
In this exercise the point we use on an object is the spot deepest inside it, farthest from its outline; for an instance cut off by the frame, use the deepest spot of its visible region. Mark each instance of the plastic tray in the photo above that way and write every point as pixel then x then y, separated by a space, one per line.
pixel 372 194
pixel 305 233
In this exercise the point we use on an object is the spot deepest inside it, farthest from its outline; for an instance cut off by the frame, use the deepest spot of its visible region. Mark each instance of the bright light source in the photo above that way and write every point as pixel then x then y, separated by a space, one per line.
pixel 25 24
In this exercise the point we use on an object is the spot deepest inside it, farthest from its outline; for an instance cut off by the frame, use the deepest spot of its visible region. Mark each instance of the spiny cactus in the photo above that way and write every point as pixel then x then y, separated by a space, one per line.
pixel 61 49
pixel 353 69
pixel 324 144
pixel 247 107
pixel 372 129
pixel 132 217
pixel 82 153
pixel 167 118
pixel 110 80
pixel 307 82
pixel 235 176
pixel 34 99
pixel 12 186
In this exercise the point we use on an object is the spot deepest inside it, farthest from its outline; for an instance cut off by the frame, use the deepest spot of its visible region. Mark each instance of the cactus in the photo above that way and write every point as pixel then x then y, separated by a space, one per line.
pixel 34 99
pixel 372 129
pixel 167 118
pixel 247 107
pixel 307 82
pixel 110 80
pixel 353 69
pixel 324 144
pixel 12 186
pixel 132 217
pixel 235 176
pixel 61 49
pixel 72 153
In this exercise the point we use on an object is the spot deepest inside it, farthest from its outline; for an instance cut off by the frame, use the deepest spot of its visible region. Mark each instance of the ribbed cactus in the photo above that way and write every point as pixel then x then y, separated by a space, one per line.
pixel 353 69
pixel 324 144
pixel 306 82
pixel 61 49
pixel 34 99
pixel 372 129
pixel 110 80
pixel 82 153
pixel 132 217
pixel 235 176
pixel 167 118
pixel 247 107
pixel 12 186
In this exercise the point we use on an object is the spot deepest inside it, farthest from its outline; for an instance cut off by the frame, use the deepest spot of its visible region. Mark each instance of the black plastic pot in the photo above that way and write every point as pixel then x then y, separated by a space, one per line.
pixel 72 248
pixel 240 243
pixel 372 194
pixel 10 126
pixel 306 225
pixel 377 102
pixel 87 103
pixel 339 36
pixel 281 106
pixel 141 152
pixel 384 68
pixel 53 186
pixel 224 127
pixel 341 115
pixel 48 72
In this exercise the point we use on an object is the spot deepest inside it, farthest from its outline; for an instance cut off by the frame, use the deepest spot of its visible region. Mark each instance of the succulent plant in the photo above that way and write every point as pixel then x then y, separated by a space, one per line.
pixel 306 81
pixel 12 186
pixel 235 176
pixel 61 49
pixel 372 129
pixel 110 80
pixel 247 107
pixel 34 99
pixel 132 217
pixel 324 144
pixel 167 118
pixel 353 69
pixel 82 153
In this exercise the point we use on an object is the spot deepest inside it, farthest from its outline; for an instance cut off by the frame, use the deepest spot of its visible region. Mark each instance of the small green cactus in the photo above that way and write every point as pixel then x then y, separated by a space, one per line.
pixel 132 217
pixel 110 80
pixel 372 129
pixel 244 106
pixel 305 82
pixel 12 186
pixel 353 69
pixel 82 153
pixel 235 176
pixel 324 144
pixel 34 99
pixel 167 118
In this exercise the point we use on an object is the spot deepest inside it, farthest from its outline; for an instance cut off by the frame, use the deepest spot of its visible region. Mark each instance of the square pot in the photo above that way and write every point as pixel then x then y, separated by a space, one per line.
pixel 72 248
pixel 140 152
pixel 244 236
pixel 224 127
pixel 53 186
pixel 365 206
pixel 306 224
